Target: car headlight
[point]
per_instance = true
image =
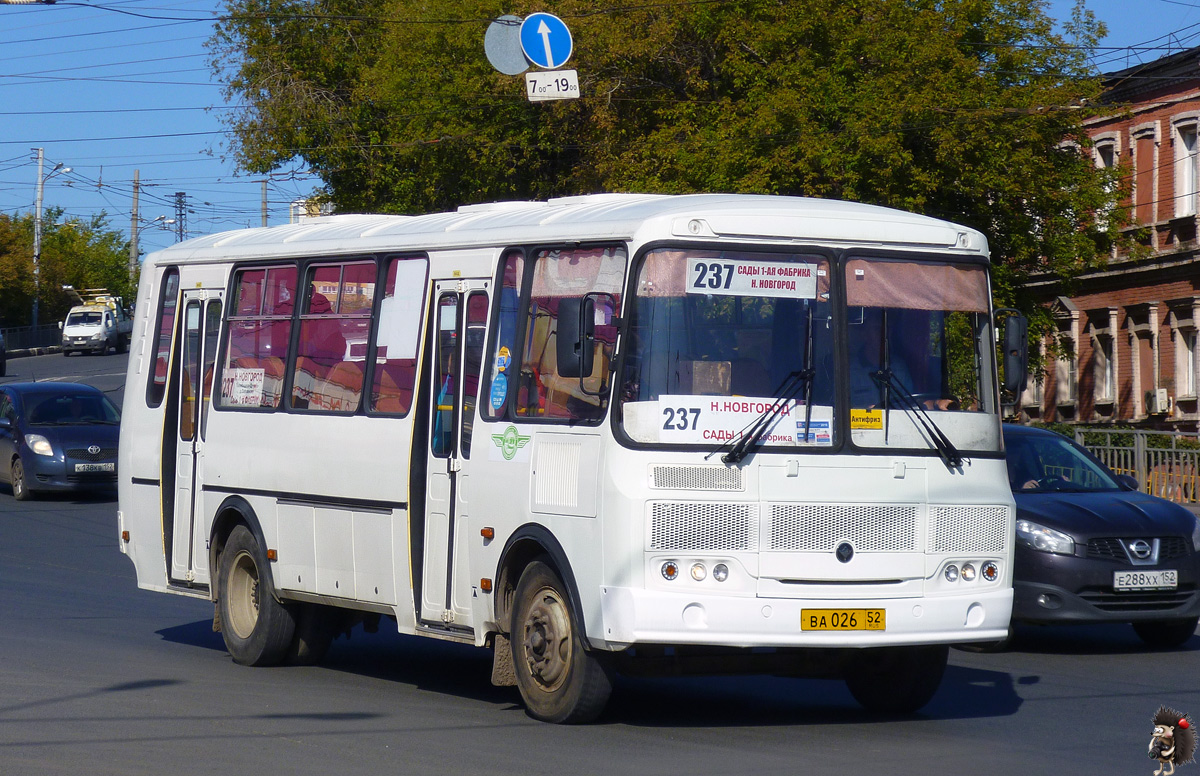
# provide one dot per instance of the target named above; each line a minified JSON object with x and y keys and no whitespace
{"x":39,"y":444}
{"x":1044,"y":539}
{"x":98,"y":335}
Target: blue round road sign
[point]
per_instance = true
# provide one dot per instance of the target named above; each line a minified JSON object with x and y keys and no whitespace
{"x":545,"y":40}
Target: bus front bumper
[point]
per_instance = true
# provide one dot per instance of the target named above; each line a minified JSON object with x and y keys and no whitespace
{"x":636,"y":616}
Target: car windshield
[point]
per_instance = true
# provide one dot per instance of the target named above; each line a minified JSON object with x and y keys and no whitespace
{"x":83,"y":319}
{"x":1041,"y":463}
{"x":68,"y":409}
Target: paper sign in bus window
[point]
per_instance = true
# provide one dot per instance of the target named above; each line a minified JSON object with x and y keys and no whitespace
{"x":731,"y":277}
{"x":686,"y":419}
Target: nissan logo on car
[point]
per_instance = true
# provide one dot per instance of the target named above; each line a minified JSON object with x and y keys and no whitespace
{"x":1140,"y":548}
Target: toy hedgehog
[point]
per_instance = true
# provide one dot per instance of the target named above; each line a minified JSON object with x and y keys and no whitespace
{"x":1174,"y":740}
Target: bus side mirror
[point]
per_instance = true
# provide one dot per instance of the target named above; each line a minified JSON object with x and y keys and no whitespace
{"x":1016,"y":352}
{"x":576,"y":349}
{"x":60,"y":325}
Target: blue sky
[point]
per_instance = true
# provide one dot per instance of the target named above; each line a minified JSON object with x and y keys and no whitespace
{"x":110,"y":88}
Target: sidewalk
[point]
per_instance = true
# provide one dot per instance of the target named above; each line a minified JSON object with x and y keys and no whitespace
{"x":22,"y":352}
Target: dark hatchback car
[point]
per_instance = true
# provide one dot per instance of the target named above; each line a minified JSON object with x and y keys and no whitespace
{"x":57,"y":437}
{"x":1092,"y":548}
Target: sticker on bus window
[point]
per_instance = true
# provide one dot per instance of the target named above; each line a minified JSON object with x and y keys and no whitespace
{"x":499,"y":392}
{"x":503,"y":359}
{"x":244,"y":388}
{"x":732,"y":277}
{"x":689,"y":419}
{"x":868,"y":419}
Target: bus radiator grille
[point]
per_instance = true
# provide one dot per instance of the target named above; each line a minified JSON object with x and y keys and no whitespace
{"x":968,"y":529}
{"x":820,"y":527}
{"x":702,"y":527}
{"x":696,"y":478}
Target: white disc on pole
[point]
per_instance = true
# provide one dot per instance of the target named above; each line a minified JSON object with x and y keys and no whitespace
{"x":502,"y":44}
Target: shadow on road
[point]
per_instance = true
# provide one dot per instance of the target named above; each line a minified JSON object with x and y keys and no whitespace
{"x":720,"y":701}
{"x":1108,"y":639}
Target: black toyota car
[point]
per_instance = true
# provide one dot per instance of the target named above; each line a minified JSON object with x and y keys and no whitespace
{"x":57,"y":437}
{"x":1092,"y":548}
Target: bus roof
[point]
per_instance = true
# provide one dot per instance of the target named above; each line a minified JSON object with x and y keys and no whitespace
{"x":595,"y":217}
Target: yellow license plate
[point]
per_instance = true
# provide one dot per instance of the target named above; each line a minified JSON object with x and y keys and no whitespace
{"x":841,"y":619}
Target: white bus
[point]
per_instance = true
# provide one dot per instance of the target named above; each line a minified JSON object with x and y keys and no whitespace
{"x":610,"y":433}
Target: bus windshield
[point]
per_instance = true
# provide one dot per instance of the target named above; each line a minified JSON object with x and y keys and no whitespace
{"x":720,"y":339}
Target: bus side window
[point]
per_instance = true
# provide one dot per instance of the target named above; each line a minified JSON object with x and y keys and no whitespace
{"x":558,"y":274}
{"x":499,"y":369}
{"x":167,"y":302}
{"x":397,"y":335}
{"x":260,"y":327}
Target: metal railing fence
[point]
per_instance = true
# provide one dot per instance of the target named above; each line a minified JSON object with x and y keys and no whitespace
{"x":1165,"y":464}
{"x":21,"y":337}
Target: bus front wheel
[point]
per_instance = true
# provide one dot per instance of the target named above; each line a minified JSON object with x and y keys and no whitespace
{"x":560,"y":681}
{"x":896,"y":680}
{"x":257,"y":629}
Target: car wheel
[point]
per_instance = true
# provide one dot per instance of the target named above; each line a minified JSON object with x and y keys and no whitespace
{"x":896,"y":680}
{"x":20,"y":489}
{"x":1164,"y":634}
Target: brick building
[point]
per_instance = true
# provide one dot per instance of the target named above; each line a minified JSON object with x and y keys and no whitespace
{"x":1134,"y":324}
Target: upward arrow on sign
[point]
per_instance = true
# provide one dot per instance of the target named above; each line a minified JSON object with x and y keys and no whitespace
{"x":544,"y":31}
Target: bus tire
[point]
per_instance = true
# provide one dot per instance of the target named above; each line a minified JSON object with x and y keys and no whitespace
{"x":316,"y":627}
{"x":257,"y":629}
{"x":896,"y":680}
{"x":560,"y":681}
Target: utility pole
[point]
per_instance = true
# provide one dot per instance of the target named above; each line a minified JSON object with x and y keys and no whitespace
{"x":133,"y":229}
{"x":180,"y":215}
{"x":37,"y":236}
{"x":264,"y":203}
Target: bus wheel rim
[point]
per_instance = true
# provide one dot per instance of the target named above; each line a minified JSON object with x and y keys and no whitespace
{"x":243,"y":595}
{"x":548,"y":640}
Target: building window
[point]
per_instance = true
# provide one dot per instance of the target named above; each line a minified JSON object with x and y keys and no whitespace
{"x":1185,"y":360}
{"x":1186,"y":177}
{"x":1145,"y":142}
{"x":1104,"y":369}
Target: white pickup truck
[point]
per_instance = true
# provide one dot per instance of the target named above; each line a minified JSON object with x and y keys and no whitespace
{"x":98,"y":322}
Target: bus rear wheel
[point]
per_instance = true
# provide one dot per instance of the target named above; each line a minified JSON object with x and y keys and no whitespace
{"x":257,"y":629}
{"x":560,"y":681}
{"x":896,"y":680}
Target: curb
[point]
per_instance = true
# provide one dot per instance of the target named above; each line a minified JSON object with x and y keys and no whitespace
{"x":22,"y":352}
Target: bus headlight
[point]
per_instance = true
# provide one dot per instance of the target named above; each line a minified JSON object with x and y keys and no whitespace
{"x":670,"y":570}
{"x":721,"y":572}
{"x":990,"y":571}
{"x":968,"y":572}
{"x":39,"y":444}
{"x":699,"y":572}
{"x":952,"y":573}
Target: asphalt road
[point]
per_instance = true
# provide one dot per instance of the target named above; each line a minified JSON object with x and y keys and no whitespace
{"x":97,"y":677}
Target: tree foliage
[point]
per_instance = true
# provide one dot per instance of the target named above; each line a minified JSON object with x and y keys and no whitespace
{"x":969,"y":110}
{"x":83,"y":254}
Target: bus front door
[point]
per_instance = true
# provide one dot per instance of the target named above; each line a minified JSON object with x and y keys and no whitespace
{"x":460,"y":322}
{"x":196,"y":351}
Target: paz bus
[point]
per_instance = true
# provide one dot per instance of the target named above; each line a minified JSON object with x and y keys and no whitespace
{"x":598,"y":434}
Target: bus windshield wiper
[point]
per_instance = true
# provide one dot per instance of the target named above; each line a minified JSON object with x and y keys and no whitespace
{"x":946,"y":450}
{"x":752,"y":434}
{"x":749,"y":437}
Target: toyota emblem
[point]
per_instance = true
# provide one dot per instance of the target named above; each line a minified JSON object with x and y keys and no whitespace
{"x":94,"y":450}
{"x":1140,"y":549}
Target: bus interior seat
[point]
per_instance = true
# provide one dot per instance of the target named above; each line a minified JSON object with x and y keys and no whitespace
{"x":394,"y":385}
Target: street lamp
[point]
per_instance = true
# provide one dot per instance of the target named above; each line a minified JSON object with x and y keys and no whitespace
{"x":37,"y":226}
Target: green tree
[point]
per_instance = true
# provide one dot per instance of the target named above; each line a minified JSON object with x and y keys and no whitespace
{"x":83,"y":254}
{"x":969,"y":110}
